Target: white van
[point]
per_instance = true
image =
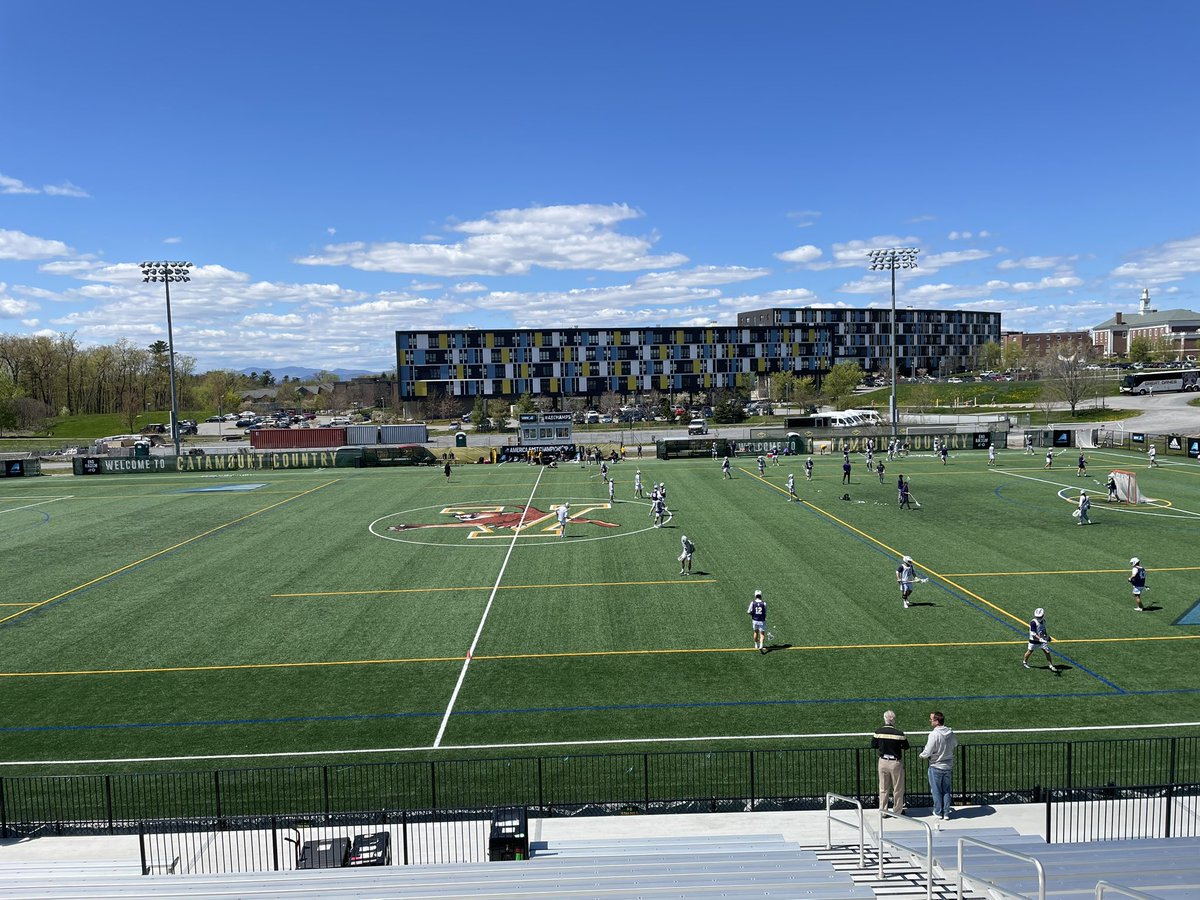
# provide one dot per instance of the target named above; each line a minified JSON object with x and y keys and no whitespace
{"x":865,"y":416}
{"x":698,"y":426}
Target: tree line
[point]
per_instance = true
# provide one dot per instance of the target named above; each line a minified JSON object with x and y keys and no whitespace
{"x":43,"y":376}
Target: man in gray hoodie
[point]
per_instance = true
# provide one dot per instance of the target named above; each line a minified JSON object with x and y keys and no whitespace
{"x":939,"y":750}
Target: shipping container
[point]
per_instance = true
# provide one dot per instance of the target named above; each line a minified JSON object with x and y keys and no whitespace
{"x":297,"y":438}
{"x":364,"y":435}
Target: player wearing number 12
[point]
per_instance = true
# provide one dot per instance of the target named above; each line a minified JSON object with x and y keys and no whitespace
{"x":757,"y":611}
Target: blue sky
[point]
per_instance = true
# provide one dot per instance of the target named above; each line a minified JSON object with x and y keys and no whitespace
{"x":339,"y":171}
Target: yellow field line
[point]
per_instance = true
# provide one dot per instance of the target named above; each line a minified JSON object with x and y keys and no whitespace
{"x":896,"y":552}
{"x":507,"y":587}
{"x":158,"y":553}
{"x":576,"y":654}
{"x":1071,"y":572}
{"x":17,"y":604}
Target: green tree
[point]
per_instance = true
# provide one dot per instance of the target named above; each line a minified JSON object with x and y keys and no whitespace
{"x":8,"y":412}
{"x":498,"y":411}
{"x":525,"y":404}
{"x":783,"y":387}
{"x":840,"y":383}
{"x":805,"y":393}
{"x":479,"y":412}
{"x":727,"y":412}
{"x":1016,"y":357}
{"x":991,"y":355}
{"x":1141,"y":348}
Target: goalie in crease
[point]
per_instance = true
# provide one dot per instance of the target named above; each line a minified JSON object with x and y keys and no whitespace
{"x":1123,"y":487}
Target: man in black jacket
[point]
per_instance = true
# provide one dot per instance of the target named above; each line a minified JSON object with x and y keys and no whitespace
{"x":890,"y":742}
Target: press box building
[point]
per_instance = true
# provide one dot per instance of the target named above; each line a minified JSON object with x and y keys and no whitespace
{"x":587,"y":362}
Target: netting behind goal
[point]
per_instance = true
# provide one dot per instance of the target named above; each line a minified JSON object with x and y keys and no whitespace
{"x":1127,"y":487}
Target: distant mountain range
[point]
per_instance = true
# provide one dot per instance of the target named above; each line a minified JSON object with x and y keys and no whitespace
{"x":301,"y":373}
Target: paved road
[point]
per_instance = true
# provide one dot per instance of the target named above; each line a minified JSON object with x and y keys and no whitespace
{"x":1165,"y":414}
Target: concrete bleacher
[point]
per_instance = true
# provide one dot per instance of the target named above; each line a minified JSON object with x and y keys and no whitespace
{"x":683,"y":867}
{"x":1162,"y":867}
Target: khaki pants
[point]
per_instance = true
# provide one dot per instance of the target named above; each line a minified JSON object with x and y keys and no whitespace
{"x":891,"y":780}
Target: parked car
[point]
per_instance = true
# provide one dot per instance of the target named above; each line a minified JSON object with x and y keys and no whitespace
{"x":215,"y":419}
{"x":698,"y":426}
{"x":243,"y":423}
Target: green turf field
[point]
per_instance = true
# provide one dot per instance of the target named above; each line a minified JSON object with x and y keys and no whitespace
{"x":299,"y":615}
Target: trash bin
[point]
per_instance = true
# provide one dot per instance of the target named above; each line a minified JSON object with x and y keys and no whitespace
{"x":331,"y":853}
{"x":371,"y":849}
{"x":460,"y":439}
{"x":141,"y":448}
{"x":509,"y":837}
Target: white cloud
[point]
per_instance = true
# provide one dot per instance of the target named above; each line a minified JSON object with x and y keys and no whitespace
{"x":1036,"y":262}
{"x":11,"y":307}
{"x":1166,"y":262}
{"x":18,"y":245}
{"x":173,"y":240}
{"x":469,"y":287}
{"x":1049,"y":283}
{"x":936,"y":261}
{"x":785,"y":297}
{"x":10,"y":185}
{"x":854,"y":253}
{"x":66,"y":189}
{"x":959,"y":235}
{"x":806,"y":253}
{"x":804,"y":218}
{"x":701,"y":276}
{"x":331,"y":231}
{"x":513,"y":242}
{"x":15,"y":186}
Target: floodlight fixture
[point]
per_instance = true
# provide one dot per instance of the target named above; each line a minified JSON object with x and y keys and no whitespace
{"x":891,"y":259}
{"x":166,"y":271}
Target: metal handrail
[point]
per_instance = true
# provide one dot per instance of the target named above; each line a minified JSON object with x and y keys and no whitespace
{"x":1102,"y":886}
{"x":1041,"y":871}
{"x":888,"y":814}
{"x":830,"y":797}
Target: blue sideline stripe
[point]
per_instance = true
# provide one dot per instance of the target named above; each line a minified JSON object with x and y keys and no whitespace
{"x":212,"y":489}
{"x":956,"y":595}
{"x":716,"y":704}
{"x":1191,"y":617}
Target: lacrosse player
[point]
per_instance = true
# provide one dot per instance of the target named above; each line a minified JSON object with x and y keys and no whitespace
{"x":757,"y":611}
{"x":791,"y":488}
{"x":905,"y":576}
{"x":1137,"y":578}
{"x":1038,"y":638}
{"x":685,"y":557}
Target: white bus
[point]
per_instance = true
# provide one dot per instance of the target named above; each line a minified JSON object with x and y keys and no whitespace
{"x":1161,"y":381}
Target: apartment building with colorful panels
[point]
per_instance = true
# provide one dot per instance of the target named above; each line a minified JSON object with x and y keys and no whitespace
{"x":587,"y":362}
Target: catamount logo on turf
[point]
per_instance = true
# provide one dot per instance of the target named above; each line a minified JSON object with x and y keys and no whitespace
{"x":502,"y":520}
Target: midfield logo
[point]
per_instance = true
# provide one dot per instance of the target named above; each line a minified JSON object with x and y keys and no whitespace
{"x":485,"y":522}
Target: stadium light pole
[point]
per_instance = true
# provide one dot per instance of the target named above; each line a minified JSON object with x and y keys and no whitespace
{"x":167,"y":272}
{"x":893,"y":258}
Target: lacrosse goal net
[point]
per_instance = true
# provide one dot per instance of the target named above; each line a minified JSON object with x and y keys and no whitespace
{"x":1127,"y":487}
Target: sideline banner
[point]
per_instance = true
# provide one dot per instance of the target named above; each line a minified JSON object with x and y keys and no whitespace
{"x":217,"y":462}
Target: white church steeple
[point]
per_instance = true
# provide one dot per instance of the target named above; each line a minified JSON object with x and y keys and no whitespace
{"x":1144,"y":305}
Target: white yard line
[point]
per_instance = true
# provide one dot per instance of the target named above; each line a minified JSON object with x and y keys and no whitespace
{"x":32,"y":505}
{"x":1158,"y":511}
{"x":483,"y":620}
{"x":997,"y":732}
